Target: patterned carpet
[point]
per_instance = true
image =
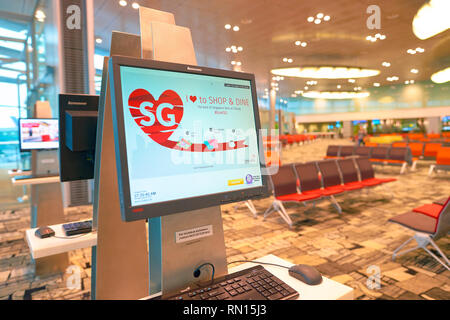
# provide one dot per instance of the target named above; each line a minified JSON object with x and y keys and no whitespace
{"x":343,"y":247}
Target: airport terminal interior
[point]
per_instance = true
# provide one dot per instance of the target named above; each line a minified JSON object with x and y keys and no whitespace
{"x":286,"y":150}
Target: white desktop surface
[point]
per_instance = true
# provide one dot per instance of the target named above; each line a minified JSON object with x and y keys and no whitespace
{"x":327,"y":290}
{"x":29,"y":180}
{"x":18,"y":173}
{"x":50,"y":246}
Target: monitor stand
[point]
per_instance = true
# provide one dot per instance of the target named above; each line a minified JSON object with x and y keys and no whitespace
{"x":171,"y":258}
{"x":46,"y":199}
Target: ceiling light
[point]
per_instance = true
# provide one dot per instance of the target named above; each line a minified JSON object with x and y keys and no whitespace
{"x":382,"y":37}
{"x":421,"y":50}
{"x":233,"y":62}
{"x":325,"y":72}
{"x":326,"y":18}
{"x":406,"y":82}
{"x":135,"y":5}
{"x":386,"y":64}
{"x":414,"y":71}
{"x":297,"y":43}
{"x":239,"y":63}
{"x":376,"y":84}
{"x":235,"y":28}
{"x":335,"y":95}
{"x":368,"y":38}
{"x":411,"y":81}
{"x":339,"y":86}
{"x":98,"y":40}
{"x":285,"y":59}
{"x":40,"y":15}
{"x":310,"y":19}
{"x":431,"y":19}
{"x":228,"y":49}
{"x":228,"y":26}
{"x":320,"y":15}
{"x":441,"y":76}
{"x":351,"y":80}
{"x":411,"y":51}
{"x":123,"y":3}
{"x":290,"y":60}
{"x":306,"y":88}
{"x":304,"y":44}
{"x":240,"y":48}
{"x":317,"y":21}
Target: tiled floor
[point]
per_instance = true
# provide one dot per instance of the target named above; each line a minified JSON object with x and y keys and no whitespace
{"x":346,"y":248}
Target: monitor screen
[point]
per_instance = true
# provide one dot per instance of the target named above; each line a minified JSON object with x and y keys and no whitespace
{"x":187,"y":139}
{"x":36,"y":134}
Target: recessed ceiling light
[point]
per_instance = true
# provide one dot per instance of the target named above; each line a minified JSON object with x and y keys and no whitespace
{"x":382,"y":37}
{"x":351,"y":80}
{"x":233,"y":62}
{"x":306,"y":88}
{"x":406,"y":82}
{"x":304,"y":44}
{"x":235,"y":28}
{"x":135,"y":5}
{"x":98,"y":40}
{"x":240,"y":48}
{"x":320,"y":15}
{"x":228,"y":26}
{"x":326,"y":18}
{"x":339,"y":86}
{"x":335,"y":95}
{"x":325,"y":72}
{"x":411,"y":81}
{"x":317,"y":21}
{"x":414,"y":71}
{"x":310,"y":19}
{"x":431,"y":19}
{"x":411,"y":51}
{"x":290,"y":60}
{"x":386,"y":64}
{"x":285,"y":59}
{"x":228,"y":49}
{"x":297,"y":43}
{"x":420,"y":50}
{"x":40,"y":15}
{"x":239,"y":63}
{"x":123,"y":3}
{"x":376,"y":84}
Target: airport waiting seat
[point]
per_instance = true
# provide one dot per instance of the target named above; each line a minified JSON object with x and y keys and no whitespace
{"x":399,"y":145}
{"x":402,"y":157}
{"x":431,"y":150}
{"x":284,"y":186}
{"x":371,"y":144}
{"x":349,"y":175}
{"x":442,"y":160}
{"x":333,"y":152}
{"x":434,"y":136}
{"x":416,"y":149}
{"x":367,"y":173}
{"x":347,"y":151}
{"x":379,"y":154}
{"x":428,"y":228}
{"x":364,"y":152}
{"x":331,"y":180}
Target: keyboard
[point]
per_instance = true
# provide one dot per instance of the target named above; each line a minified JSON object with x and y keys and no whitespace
{"x":74,"y":228}
{"x":255,"y":283}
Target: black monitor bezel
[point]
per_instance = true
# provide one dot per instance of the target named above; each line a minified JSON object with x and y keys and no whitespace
{"x":147,"y":211}
{"x":31,"y":149}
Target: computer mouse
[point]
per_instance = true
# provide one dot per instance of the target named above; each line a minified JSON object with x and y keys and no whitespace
{"x":44,"y":232}
{"x":306,"y":274}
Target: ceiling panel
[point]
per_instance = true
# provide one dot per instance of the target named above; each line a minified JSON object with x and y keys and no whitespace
{"x":268,"y":30}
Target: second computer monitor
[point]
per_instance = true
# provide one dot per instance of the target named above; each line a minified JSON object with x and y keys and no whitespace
{"x":78,"y":114}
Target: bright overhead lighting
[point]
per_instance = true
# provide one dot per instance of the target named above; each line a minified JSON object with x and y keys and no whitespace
{"x":135,"y":5}
{"x":290,"y":60}
{"x":335,"y":95}
{"x":320,"y":15}
{"x":351,"y":80}
{"x":239,"y":63}
{"x":326,"y":18}
{"x":414,"y":71}
{"x":98,"y":40}
{"x":407,"y":82}
{"x":317,"y":21}
{"x":431,"y":19}
{"x":123,"y":3}
{"x":233,"y":62}
{"x":285,"y":59}
{"x":240,"y":48}
{"x":325,"y":72}
{"x":386,"y":64}
{"x":310,"y":19}
{"x":376,"y":84}
{"x":421,"y":50}
{"x":297,"y":43}
{"x":393,"y":78}
{"x":441,"y":76}
{"x":228,"y":26}
{"x":382,"y":37}
{"x":228,"y":49}
{"x":40,"y":15}
{"x":304,"y":44}
{"x":411,"y":51}
{"x":338,"y":86}
{"x":235,"y":28}
{"x":306,"y":88}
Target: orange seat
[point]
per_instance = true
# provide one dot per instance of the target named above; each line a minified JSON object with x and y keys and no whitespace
{"x":431,"y":149}
{"x":399,"y":144}
{"x":443,"y":156}
{"x":371,"y":144}
{"x":434,"y":136}
{"x":416,"y":148}
{"x":432,"y":210}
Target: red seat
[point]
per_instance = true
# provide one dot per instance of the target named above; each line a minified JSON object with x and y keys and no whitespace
{"x":329,"y":191}
{"x":353,"y":186}
{"x":298,"y":197}
{"x":432,"y":210}
{"x":372,"y":182}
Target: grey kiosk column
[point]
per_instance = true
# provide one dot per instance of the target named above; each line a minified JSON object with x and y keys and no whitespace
{"x":123,"y":267}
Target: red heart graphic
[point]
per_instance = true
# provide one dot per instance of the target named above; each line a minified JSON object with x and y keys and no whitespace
{"x":193,"y":98}
{"x":157,"y":132}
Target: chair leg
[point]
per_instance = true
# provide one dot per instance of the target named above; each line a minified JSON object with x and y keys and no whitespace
{"x":432,"y":167}
{"x":404,"y":167}
{"x":414,"y":165}
{"x":282,"y":211}
{"x":397,"y":253}
{"x":336,"y":204}
{"x":269,"y":210}
{"x":447,"y":262}
{"x":251,"y":207}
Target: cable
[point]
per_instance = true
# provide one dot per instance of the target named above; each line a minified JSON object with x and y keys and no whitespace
{"x":257,"y":262}
{"x":197,"y":271}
